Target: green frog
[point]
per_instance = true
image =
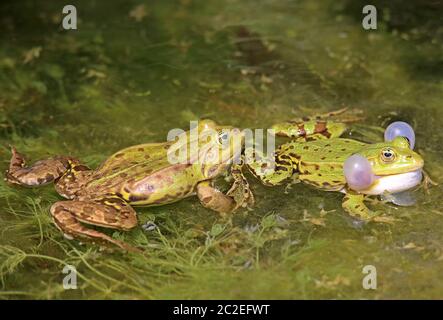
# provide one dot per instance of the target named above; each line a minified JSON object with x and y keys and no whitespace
{"x":317,"y":156}
{"x":141,"y":175}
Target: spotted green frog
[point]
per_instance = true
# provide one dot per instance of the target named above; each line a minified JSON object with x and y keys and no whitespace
{"x":141,"y":175}
{"x":316,"y":156}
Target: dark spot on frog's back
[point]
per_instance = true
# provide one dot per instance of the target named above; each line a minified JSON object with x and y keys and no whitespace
{"x":141,"y":149}
{"x":207,"y":199}
{"x":320,"y":126}
{"x":134,"y":198}
{"x":88,"y":210}
{"x":295,"y":156}
{"x":284,"y":156}
{"x":110,"y":217}
{"x":107,"y":183}
{"x":119,"y":155}
{"x":80,"y":167}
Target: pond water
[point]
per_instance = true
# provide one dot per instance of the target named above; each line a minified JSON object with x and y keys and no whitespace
{"x":133,"y":70}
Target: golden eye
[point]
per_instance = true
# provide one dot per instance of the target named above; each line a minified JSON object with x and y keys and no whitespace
{"x":223,"y":138}
{"x":387,"y":155}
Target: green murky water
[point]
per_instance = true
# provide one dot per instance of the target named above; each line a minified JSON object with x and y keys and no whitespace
{"x":131,"y":72}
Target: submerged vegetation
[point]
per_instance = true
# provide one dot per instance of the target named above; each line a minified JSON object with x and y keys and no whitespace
{"x":135,"y":69}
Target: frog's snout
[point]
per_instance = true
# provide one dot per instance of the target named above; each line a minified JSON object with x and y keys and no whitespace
{"x":420,"y":162}
{"x":416,"y":162}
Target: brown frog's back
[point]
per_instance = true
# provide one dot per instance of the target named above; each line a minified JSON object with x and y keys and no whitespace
{"x":108,"y":177}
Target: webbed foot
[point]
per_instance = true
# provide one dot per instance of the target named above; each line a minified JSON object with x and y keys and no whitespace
{"x":109,"y":212}
{"x":40,"y":173}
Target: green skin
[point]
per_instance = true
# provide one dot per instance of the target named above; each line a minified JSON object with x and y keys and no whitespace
{"x":317,"y":155}
{"x":141,"y":175}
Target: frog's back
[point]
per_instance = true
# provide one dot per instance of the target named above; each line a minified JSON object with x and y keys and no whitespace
{"x":320,"y":162}
{"x":129,"y":164}
{"x":325,"y":151}
{"x":142,"y":175}
{"x":138,"y":154}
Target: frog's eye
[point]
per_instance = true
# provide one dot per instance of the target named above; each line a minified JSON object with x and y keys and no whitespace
{"x":400,"y":129}
{"x":223,"y":138}
{"x":387,"y":155}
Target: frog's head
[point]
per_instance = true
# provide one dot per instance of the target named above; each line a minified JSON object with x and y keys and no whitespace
{"x":392,"y":157}
{"x":393,"y":167}
{"x":218,"y":146}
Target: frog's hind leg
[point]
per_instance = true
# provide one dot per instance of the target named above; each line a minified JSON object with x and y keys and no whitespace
{"x":353,"y":204}
{"x":40,"y":173}
{"x":310,"y":130}
{"x":109,"y":212}
{"x":321,"y":126}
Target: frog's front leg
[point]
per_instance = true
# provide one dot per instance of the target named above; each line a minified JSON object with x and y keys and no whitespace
{"x":239,"y":195}
{"x":240,"y":190}
{"x":353,"y":204}
{"x":214,"y":199}
{"x":274,"y":171}
{"x":40,"y":173}
{"x":110,"y":212}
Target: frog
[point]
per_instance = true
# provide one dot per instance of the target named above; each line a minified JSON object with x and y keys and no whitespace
{"x":141,"y":175}
{"x":317,"y":155}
